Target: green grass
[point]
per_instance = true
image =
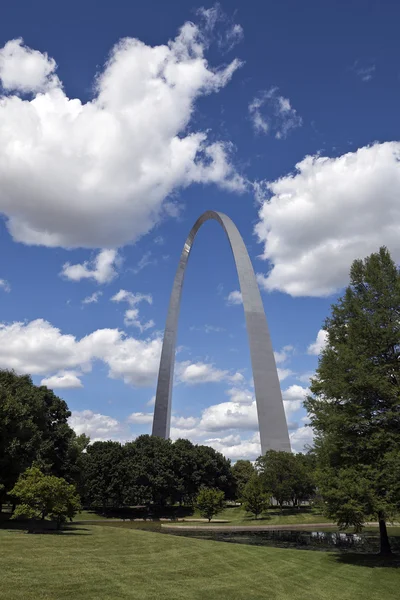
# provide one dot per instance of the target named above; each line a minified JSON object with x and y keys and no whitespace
{"x":236,"y":515}
{"x":94,"y":562}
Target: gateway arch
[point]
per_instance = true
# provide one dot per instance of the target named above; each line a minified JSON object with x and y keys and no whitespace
{"x":271,"y":415}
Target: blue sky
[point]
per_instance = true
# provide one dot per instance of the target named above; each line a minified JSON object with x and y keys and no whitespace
{"x":120,"y":123}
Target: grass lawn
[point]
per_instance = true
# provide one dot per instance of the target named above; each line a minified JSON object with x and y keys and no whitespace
{"x":236,"y":515}
{"x":93,"y":562}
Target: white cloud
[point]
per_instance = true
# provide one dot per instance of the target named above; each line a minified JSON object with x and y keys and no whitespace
{"x":140,"y":418}
{"x":229,"y":34}
{"x":41,"y":349}
{"x":63,"y":380}
{"x":144,"y":262}
{"x":5,"y":285}
{"x":152,"y":401}
{"x":93,"y":298}
{"x":364,"y":72}
{"x":184,"y":422}
{"x":326,"y":214}
{"x":284,"y":373}
{"x":132,"y":314}
{"x":26,"y":70}
{"x":97,"y":174}
{"x":102,"y":269}
{"x":316,"y":347}
{"x":195,"y":373}
{"x":284,"y":354}
{"x":300,"y":438}
{"x":234,"y":298}
{"x":281,"y":116}
{"x":235,"y":447}
{"x":239,"y":395}
{"x":99,"y":427}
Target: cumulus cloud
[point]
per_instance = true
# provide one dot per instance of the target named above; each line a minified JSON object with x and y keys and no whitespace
{"x":140,"y":418}
{"x":25,"y":70}
{"x":328,"y":213}
{"x":279,"y":116}
{"x":200,"y":372}
{"x":63,"y":380}
{"x":4,"y":285}
{"x":132,"y":314}
{"x":98,"y":174}
{"x":195,"y":373}
{"x":316,"y":347}
{"x":234,"y":298}
{"x":94,"y":298}
{"x":97,"y":426}
{"x":41,"y":349}
{"x":102,"y":269}
{"x":226,"y":426}
{"x":240,"y":395}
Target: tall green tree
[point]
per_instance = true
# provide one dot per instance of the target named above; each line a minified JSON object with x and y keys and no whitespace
{"x":255,"y":499}
{"x":185,"y":466}
{"x":243,"y":471}
{"x":104,"y":475}
{"x":150,"y":468}
{"x":33,"y":429}
{"x":355,"y":407}
{"x":276,"y":472}
{"x":214,"y":471}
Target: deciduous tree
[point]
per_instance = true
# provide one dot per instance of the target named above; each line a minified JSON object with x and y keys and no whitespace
{"x":40,"y":496}
{"x":255,"y":499}
{"x":210,"y":502}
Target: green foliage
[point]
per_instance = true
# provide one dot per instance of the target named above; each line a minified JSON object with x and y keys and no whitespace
{"x":149,"y":462}
{"x":210,"y":502}
{"x":255,"y":499}
{"x":104,"y":475}
{"x":151,"y":470}
{"x":355,"y":407}
{"x":287,"y":477}
{"x":243,"y":471}
{"x":40,"y":496}
{"x":33,"y":429}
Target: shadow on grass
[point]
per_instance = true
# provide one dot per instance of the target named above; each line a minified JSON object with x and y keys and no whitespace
{"x":368,"y":560}
{"x":41,"y":527}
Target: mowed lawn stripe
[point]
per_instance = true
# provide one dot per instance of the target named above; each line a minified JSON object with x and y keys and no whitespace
{"x":96,"y":563}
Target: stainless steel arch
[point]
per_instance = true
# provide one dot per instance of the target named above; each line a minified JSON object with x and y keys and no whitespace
{"x":271,"y":415}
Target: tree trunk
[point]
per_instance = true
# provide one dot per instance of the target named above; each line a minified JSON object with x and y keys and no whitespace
{"x":384,"y":538}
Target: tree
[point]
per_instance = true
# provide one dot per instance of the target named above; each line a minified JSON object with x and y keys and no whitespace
{"x":150,"y":470}
{"x":42,"y":495}
{"x":213,"y":471}
{"x":243,"y":471}
{"x":276,"y":472}
{"x":255,"y":499}
{"x":185,"y":471}
{"x":355,"y":406}
{"x":210,"y":502}
{"x":104,"y":475}
{"x":33,"y":428}
{"x":302,"y":478}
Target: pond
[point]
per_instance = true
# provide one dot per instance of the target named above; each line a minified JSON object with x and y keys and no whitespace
{"x":311,"y":540}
